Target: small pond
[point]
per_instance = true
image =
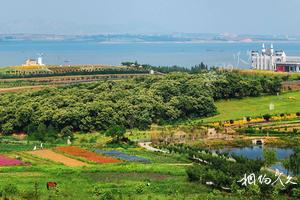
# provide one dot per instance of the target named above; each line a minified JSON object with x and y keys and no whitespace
{"x":256,"y":152}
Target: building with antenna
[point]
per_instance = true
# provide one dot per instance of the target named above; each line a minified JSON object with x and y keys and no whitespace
{"x":34,"y":62}
{"x":271,"y":60}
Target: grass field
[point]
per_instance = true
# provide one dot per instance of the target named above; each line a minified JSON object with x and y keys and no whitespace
{"x":131,"y":181}
{"x":256,"y":106}
{"x":163,"y":178}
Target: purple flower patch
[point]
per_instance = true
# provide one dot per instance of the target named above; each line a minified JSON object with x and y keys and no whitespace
{"x":123,"y":156}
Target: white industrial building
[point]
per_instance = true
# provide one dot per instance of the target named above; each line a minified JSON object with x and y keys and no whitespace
{"x":268,"y":59}
{"x":34,"y":62}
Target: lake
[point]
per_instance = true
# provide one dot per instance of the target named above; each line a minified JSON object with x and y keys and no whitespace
{"x":256,"y":152}
{"x":182,"y":54}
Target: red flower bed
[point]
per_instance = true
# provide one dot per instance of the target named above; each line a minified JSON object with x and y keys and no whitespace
{"x":5,"y":161}
{"x":91,"y":156}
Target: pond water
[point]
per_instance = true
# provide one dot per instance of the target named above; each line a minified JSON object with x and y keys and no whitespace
{"x":256,"y":152}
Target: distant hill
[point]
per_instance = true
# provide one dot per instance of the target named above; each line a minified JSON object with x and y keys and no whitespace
{"x":176,"y":37}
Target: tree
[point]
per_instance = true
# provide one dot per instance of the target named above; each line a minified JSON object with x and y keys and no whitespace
{"x":269,"y":157}
{"x":67,"y":131}
{"x":117,"y":132}
{"x":8,"y":128}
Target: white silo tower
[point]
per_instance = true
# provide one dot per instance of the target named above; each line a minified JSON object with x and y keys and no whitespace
{"x":40,"y":59}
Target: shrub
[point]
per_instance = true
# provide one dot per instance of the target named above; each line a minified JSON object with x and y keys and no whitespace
{"x":93,"y":140}
{"x":269,"y":157}
{"x":32,"y":195}
{"x":194,"y":173}
{"x":108,"y":195}
{"x":267,"y":117}
{"x":295,"y":130}
{"x":83,"y":141}
{"x":253,"y":191}
{"x":116,"y":132}
{"x":10,"y":190}
{"x":250,"y":130}
{"x":96,"y":191}
{"x":219,"y":178}
{"x":296,"y":193}
{"x":140,"y":189}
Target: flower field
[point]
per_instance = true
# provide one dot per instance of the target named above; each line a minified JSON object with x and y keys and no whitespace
{"x":91,"y":156}
{"x":5,"y":161}
{"x":122,"y":156}
{"x":51,"y":155}
{"x":242,"y":122}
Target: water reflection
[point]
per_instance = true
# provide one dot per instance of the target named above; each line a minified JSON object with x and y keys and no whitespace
{"x":256,"y":152}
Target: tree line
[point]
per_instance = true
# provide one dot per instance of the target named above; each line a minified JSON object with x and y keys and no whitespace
{"x":169,"y":69}
{"x":71,"y":71}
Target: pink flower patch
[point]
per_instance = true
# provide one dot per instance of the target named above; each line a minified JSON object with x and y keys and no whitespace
{"x":5,"y":161}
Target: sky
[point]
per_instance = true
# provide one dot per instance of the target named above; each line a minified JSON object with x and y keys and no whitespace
{"x":276,"y":17}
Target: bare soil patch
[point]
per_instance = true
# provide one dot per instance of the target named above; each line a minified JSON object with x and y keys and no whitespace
{"x":51,"y":155}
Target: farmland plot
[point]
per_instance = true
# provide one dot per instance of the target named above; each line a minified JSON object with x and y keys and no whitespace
{"x":48,"y":154}
{"x":6,"y":161}
{"x":91,"y":156}
{"x":123,"y":156}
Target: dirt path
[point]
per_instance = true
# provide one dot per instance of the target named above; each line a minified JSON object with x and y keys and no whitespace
{"x":48,"y":154}
{"x":29,"y":158}
{"x":180,"y":164}
{"x":147,"y":146}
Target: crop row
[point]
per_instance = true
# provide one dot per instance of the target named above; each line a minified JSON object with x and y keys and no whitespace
{"x":91,"y":156}
{"x":6,"y":161}
{"x":123,"y":156}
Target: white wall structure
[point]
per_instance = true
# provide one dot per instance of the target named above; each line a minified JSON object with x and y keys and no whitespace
{"x":40,"y":61}
{"x":268,"y":59}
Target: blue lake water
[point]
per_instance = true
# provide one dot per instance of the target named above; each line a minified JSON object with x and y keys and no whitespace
{"x":256,"y":152}
{"x":182,"y":54}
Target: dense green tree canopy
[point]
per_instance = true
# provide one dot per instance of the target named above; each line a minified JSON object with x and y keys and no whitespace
{"x":134,"y":103}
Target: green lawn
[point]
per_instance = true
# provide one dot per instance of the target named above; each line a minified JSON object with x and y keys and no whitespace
{"x":124,"y":182}
{"x":156,"y":180}
{"x":256,"y":106}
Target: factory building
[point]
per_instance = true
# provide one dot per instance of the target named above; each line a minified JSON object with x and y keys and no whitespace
{"x":34,"y":62}
{"x":271,"y":60}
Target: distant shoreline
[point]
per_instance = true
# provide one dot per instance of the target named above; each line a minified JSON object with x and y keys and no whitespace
{"x":201,"y":42}
{"x":140,"y":38}
{"x":155,"y":42}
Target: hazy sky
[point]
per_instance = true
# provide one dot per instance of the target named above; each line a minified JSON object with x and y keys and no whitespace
{"x":150,"y":16}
